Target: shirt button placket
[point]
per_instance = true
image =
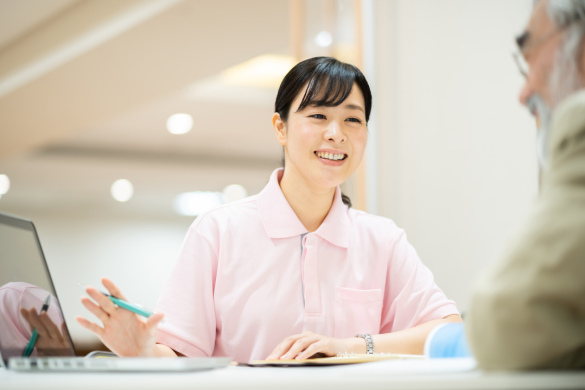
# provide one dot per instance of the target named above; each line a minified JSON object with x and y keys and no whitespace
{"x":310,"y":268}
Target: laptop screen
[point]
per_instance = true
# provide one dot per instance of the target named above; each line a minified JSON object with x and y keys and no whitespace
{"x":26,"y":291}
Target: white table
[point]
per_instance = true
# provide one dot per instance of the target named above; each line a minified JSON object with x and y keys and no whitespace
{"x":430,"y":374}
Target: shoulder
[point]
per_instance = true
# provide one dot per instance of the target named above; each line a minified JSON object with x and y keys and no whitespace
{"x":375,"y":226}
{"x":238,"y":212}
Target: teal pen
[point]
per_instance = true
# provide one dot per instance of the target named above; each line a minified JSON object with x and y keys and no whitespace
{"x":128,"y":306}
{"x":125,"y":305}
{"x":33,"y":338}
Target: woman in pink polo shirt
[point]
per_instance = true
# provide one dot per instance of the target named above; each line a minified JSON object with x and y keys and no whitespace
{"x":294,"y":270}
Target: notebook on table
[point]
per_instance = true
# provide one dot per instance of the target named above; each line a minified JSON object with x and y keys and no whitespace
{"x":340,"y":359}
{"x":25,"y":283}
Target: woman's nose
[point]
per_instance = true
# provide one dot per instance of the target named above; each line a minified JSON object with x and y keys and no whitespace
{"x":334,"y":132}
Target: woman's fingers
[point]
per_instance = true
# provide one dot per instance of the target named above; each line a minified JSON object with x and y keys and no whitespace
{"x":123,"y":331}
{"x":35,"y":322}
{"x":291,"y":346}
{"x":305,"y":346}
{"x":26,"y":317}
{"x":113,"y":289}
{"x":283,"y":347}
{"x":104,"y":302}
{"x":94,"y":328}
{"x":299,"y":346}
{"x":51,"y":329}
{"x":311,"y":350}
{"x":95,"y":309}
{"x":42,"y":323}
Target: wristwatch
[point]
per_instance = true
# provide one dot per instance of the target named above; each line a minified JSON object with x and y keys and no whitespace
{"x":369,"y":343}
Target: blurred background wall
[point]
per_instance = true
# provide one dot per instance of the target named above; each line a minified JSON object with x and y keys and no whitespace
{"x":456,"y":165}
{"x":88,"y":89}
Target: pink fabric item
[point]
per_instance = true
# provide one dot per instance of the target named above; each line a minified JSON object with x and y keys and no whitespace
{"x":15,"y":332}
{"x":250,"y":275}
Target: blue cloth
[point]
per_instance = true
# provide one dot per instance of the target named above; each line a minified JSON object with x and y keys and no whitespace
{"x":448,"y":341}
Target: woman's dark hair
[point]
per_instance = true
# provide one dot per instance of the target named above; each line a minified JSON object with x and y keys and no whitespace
{"x":329,"y":83}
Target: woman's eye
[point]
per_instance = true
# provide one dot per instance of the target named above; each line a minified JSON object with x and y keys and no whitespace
{"x":318,"y":116}
{"x":356,"y":120}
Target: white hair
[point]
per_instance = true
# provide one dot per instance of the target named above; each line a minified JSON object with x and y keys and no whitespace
{"x":564,"y":12}
{"x":567,"y":77}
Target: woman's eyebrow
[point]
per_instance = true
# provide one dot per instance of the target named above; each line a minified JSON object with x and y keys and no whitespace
{"x":355,"y":107}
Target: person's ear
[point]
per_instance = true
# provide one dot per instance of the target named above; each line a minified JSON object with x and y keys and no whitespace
{"x":279,"y":128}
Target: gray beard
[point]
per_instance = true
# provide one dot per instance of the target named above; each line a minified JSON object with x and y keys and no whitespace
{"x":536,"y":104}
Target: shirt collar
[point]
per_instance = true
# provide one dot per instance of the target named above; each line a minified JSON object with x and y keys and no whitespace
{"x":280,"y":221}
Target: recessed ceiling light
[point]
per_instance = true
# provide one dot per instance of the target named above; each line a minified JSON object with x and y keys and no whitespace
{"x":234,"y":192}
{"x":179,"y":123}
{"x":4,"y":184}
{"x":324,"y":39}
{"x":122,"y":190}
{"x":196,"y":203}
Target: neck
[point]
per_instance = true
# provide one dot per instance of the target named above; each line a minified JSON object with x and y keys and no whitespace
{"x":310,"y":204}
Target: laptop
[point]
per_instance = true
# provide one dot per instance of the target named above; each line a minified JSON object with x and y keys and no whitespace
{"x":26,"y":288}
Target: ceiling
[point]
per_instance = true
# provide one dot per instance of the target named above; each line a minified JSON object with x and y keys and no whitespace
{"x":86,"y":88}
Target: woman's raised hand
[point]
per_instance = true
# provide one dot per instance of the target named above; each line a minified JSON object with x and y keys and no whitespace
{"x":308,"y":344}
{"x":123,"y":332}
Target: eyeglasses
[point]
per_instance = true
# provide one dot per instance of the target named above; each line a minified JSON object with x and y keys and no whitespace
{"x":524,"y":46}
{"x":521,"y":63}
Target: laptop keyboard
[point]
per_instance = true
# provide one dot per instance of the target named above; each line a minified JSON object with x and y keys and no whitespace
{"x":65,"y":364}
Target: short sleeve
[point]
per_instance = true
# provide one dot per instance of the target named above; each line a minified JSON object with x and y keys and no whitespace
{"x":189,"y":325}
{"x":412,"y":297}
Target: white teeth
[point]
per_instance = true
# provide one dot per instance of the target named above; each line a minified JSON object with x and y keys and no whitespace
{"x":331,"y":156}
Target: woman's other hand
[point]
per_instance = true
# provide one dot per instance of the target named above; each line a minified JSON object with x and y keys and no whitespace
{"x":51,"y":340}
{"x":309,"y":344}
{"x":123,"y":332}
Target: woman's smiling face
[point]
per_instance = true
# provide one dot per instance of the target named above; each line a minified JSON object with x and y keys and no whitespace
{"x":322,"y":144}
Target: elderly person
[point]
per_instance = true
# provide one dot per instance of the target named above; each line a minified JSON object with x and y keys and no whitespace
{"x":529,"y":310}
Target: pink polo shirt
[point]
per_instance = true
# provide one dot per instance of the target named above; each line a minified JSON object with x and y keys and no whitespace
{"x":249,"y":274}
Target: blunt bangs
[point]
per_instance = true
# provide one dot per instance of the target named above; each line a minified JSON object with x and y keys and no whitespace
{"x":329,"y":86}
{"x":329,"y":82}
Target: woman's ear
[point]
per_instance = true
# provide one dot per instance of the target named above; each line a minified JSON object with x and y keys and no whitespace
{"x":279,"y":128}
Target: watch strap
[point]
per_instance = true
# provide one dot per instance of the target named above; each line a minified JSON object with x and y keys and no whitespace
{"x":369,"y":342}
